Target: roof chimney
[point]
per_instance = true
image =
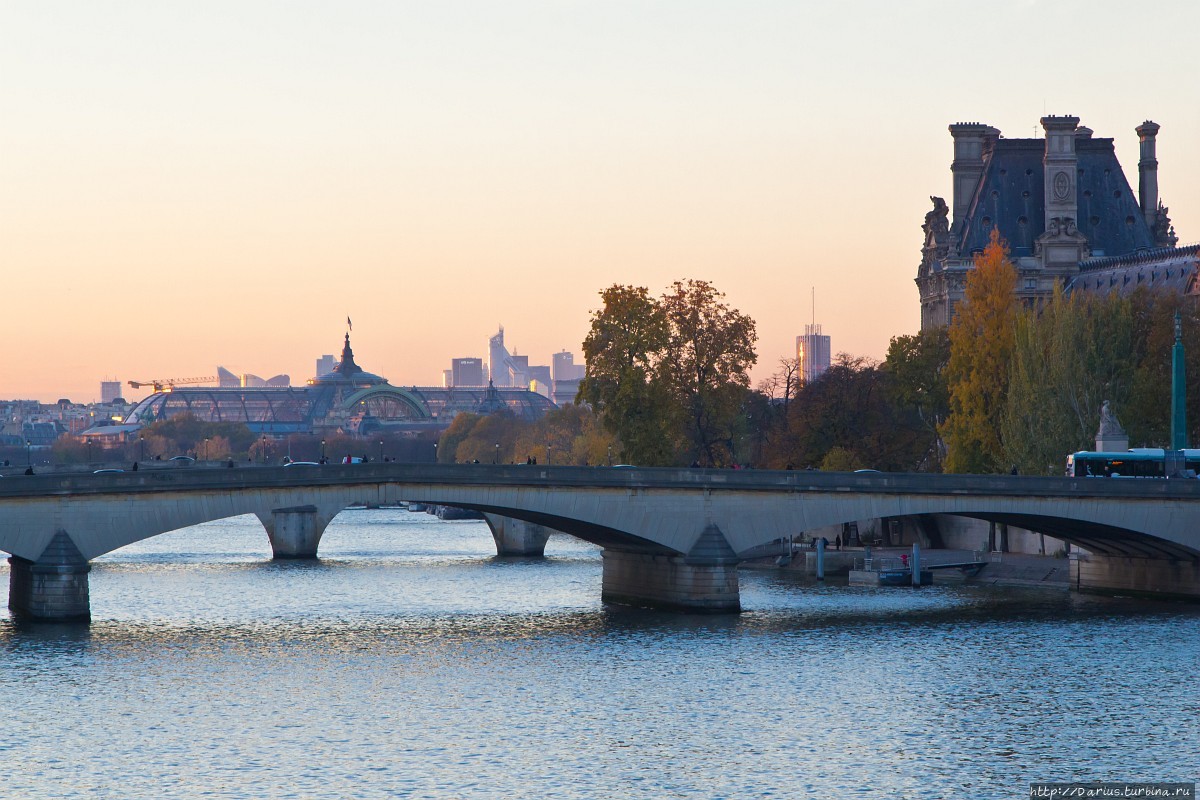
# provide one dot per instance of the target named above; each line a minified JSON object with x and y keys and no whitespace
{"x":1148,"y":172}
{"x":969,"y":138}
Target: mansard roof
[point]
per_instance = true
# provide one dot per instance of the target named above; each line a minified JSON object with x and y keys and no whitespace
{"x":1011,"y":196}
{"x":1170,"y":268}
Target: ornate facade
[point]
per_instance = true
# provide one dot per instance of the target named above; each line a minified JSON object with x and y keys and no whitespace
{"x":1063,"y":205}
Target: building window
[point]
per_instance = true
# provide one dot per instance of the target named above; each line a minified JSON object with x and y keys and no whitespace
{"x":1031,"y":283}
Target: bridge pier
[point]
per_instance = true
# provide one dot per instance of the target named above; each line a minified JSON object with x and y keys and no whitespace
{"x":1146,"y":577}
{"x":294,"y":532}
{"x":55,"y":587}
{"x":704,"y":581}
{"x":515,"y":537}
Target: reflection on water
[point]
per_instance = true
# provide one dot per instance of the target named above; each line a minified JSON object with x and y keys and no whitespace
{"x":409,"y":662}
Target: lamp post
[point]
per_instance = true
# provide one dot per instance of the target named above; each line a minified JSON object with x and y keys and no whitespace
{"x":496,"y":458}
{"x":435,"y":458}
{"x":610,"y":455}
{"x":142,"y":446}
{"x":206,"y":448}
{"x":89,"y":444}
{"x":381,"y":450}
{"x":264,"y":448}
{"x":28,"y":453}
{"x":322,"y":451}
{"x":547,"y":454}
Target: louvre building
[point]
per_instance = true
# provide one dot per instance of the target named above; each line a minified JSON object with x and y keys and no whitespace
{"x":1066,"y":210}
{"x":346,"y":400}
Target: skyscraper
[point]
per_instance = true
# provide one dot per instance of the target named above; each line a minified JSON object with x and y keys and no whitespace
{"x":109,"y":391}
{"x":812,"y":353}
{"x":467,"y":372}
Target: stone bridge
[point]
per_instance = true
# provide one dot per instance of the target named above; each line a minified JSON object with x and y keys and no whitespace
{"x":671,"y":538}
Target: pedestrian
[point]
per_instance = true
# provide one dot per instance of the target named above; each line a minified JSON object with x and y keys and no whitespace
{"x":904,"y":560}
{"x":1013,"y":471}
{"x":837,"y":542}
{"x":135,"y":467}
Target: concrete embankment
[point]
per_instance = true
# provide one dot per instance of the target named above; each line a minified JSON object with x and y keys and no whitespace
{"x":1000,"y":569}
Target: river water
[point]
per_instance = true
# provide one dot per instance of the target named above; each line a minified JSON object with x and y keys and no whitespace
{"x":409,"y":662}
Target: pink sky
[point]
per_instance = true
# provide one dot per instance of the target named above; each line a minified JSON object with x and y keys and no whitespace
{"x":184,"y":186}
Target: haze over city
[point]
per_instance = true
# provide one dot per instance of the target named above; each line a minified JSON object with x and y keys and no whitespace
{"x":185,"y":186}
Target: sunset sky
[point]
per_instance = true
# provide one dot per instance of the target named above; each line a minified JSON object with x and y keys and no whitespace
{"x":185,"y":185}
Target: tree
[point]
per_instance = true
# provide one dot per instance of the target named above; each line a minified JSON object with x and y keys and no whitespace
{"x":568,"y":435}
{"x":981,"y":346}
{"x":627,"y":340}
{"x":1068,"y":358}
{"x":670,"y":377}
{"x":710,"y":349}
{"x":917,"y":365}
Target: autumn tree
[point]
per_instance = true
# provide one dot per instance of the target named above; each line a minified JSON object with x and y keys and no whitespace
{"x":847,"y":418}
{"x":981,"y":347}
{"x":710,"y":349}
{"x":669,"y":377}
{"x":622,"y":382}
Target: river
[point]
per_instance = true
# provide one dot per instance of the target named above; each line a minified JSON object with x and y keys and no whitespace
{"x":409,"y":662}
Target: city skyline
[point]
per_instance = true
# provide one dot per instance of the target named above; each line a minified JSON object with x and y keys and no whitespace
{"x":195,"y":189}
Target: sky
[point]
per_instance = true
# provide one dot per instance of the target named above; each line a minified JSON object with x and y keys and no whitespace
{"x":185,"y":185}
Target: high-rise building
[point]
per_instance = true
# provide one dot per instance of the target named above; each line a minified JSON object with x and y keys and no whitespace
{"x":325,"y":365}
{"x":812,"y":353}
{"x":563,"y":367}
{"x":467,"y":372}
{"x":109,"y":391}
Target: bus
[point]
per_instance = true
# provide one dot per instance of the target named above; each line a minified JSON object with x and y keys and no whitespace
{"x":1140,"y":462}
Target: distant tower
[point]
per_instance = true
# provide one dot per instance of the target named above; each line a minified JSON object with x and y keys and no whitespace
{"x":109,"y":391}
{"x":325,"y":365}
{"x":498,"y":358}
{"x":812,"y":353}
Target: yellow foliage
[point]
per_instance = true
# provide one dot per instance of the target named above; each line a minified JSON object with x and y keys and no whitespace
{"x":981,"y":346}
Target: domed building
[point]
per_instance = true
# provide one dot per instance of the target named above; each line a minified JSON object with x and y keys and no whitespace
{"x":346,"y":400}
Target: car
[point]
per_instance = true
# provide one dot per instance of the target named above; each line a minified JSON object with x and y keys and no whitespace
{"x":183,"y":459}
{"x":624,"y":466}
{"x":106,"y":471}
{"x":302,"y":464}
{"x":867,"y":472}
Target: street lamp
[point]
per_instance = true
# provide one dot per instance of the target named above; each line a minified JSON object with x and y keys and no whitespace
{"x":322,"y":451}
{"x":142,"y":445}
{"x":547,"y":455}
{"x":610,"y":455}
{"x":435,"y":460}
{"x":29,"y":452}
{"x":206,"y":448}
{"x":381,"y":450}
{"x":264,"y":448}
{"x":496,"y":458}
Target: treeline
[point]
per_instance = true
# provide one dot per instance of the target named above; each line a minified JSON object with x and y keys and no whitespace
{"x":1026,"y":385}
{"x":187,"y":435}
{"x":1004,"y":386}
{"x":568,"y":435}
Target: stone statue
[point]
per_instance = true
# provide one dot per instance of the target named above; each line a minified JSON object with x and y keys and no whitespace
{"x":1164,"y":232}
{"x":937,"y":234}
{"x":1109,"y":426}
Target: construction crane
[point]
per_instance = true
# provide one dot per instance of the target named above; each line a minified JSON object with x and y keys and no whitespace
{"x":170,"y":383}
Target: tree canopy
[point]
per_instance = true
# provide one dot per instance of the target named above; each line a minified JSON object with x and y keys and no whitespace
{"x":669,"y":376}
{"x":981,"y":346}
